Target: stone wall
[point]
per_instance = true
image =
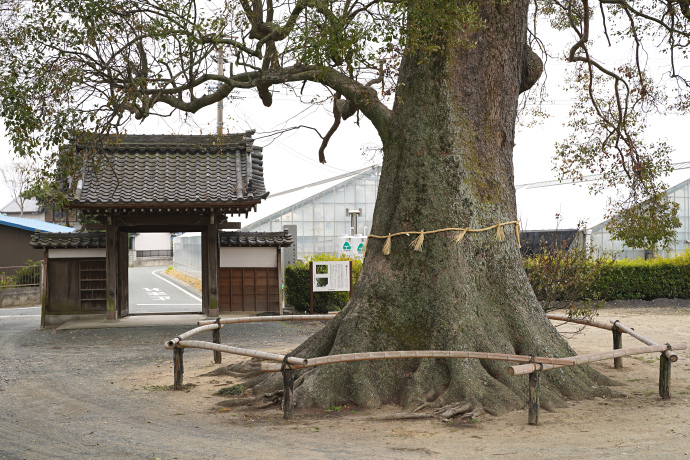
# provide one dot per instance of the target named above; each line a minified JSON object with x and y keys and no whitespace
{"x":20,"y":297}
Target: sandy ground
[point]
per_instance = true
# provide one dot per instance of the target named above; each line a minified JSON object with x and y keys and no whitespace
{"x":85,"y":395}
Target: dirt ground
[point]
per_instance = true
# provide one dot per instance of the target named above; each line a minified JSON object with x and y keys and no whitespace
{"x":104,"y":394}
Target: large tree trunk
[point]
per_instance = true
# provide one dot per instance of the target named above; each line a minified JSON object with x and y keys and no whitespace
{"x":447,"y":163}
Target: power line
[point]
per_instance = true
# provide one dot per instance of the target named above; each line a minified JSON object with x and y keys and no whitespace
{"x":593,"y":177}
{"x":325,"y":181}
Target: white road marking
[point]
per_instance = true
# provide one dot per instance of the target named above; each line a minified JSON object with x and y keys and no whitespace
{"x":19,"y":316}
{"x":167,"y":304}
{"x":178,"y":287}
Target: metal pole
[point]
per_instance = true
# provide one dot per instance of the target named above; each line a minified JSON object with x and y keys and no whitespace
{"x":219,"y":115}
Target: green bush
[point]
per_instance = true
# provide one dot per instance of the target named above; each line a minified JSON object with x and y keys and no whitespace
{"x":560,"y":278}
{"x":566,"y":278}
{"x":646,"y":279}
{"x":297,"y":286}
{"x":27,"y":275}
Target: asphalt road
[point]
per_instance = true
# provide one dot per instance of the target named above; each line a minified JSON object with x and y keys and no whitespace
{"x":150,"y":291}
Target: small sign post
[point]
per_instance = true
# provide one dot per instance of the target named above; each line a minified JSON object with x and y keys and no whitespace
{"x":334,"y":276}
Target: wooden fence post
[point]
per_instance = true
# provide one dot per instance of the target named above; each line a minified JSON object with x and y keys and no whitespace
{"x":178,"y":368}
{"x":288,"y":388}
{"x":217,"y":355}
{"x":534,"y":388}
{"x":664,"y":377}
{"x":617,"y":345}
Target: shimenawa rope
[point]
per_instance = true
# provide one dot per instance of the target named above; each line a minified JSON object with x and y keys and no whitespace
{"x":417,"y":243}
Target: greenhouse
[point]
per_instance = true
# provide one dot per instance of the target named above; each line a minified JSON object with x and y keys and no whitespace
{"x":602,"y":242}
{"x":324,"y":222}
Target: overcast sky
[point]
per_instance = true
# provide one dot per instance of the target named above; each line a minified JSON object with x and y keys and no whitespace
{"x":292,"y":160}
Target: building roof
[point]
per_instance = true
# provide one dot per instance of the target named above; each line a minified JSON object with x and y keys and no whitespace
{"x":33,"y":225}
{"x":12,"y":207}
{"x":174,"y":171}
{"x":255,"y":239}
{"x":68,"y":240}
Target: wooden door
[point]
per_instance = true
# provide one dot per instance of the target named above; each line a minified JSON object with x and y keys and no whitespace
{"x":249,"y":289}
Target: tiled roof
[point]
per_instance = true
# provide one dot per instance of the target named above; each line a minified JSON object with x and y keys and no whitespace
{"x":255,"y":239}
{"x":30,"y":205}
{"x":156,"y":170}
{"x":33,"y":225}
{"x":71,"y":240}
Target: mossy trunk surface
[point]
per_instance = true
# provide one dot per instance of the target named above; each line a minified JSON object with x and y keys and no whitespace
{"x":447,"y":163}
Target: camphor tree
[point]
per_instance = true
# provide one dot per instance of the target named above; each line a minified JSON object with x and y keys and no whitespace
{"x":453,"y":71}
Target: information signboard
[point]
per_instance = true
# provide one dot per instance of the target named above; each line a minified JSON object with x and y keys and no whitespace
{"x":332,"y":276}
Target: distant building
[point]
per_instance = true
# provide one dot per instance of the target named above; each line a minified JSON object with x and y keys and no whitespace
{"x":540,"y":241}
{"x":15,"y":233}
{"x":322,"y":220}
{"x":33,"y":211}
{"x":601,"y":239}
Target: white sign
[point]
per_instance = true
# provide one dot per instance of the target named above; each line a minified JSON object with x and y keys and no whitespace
{"x":331,"y":276}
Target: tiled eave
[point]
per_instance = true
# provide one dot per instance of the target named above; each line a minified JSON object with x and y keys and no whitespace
{"x":255,"y":239}
{"x":68,"y":240}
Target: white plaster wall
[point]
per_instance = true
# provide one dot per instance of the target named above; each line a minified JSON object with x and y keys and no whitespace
{"x":248,"y":257}
{"x":76,"y":253}
{"x":152,"y":242}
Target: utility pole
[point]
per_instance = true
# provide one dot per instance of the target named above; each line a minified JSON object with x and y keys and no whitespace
{"x":219,"y":116}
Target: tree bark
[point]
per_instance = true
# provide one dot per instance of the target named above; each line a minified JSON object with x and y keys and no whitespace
{"x":447,"y":163}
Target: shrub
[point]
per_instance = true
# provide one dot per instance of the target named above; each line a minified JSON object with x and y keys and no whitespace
{"x":297,"y":285}
{"x":646,"y":279}
{"x":566,"y":278}
{"x":27,"y":275}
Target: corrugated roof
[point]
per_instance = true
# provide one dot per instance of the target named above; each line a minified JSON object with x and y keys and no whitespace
{"x":30,"y":205}
{"x":255,"y":239}
{"x":156,"y":170}
{"x":69,"y":240}
{"x":33,"y":225}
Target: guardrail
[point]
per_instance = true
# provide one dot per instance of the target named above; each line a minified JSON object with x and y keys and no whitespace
{"x":532,"y":365}
{"x":20,"y":276}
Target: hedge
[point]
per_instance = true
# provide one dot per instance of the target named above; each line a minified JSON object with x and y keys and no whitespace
{"x":633,"y":279}
{"x":297,"y":286}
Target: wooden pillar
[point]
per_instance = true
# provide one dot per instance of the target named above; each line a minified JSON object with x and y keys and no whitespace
{"x":44,"y":288}
{"x":178,"y":366}
{"x":123,"y":272}
{"x":204,"y":273}
{"x":280,"y":281}
{"x":664,"y":377}
{"x":213,"y":264}
{"x":617,"y":345}
{"x":217,"y":355}
{"x":111,"y":269}
{"x":534,"y":388}
{"x":288,"y":389}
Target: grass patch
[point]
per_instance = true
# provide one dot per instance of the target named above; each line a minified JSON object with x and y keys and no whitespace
{"x":185,"y":278}
{"x":235,"y":390}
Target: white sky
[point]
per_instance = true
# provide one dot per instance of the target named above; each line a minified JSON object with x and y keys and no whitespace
{"x":292,"y":159}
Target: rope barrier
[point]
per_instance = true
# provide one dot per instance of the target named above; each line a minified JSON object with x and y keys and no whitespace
{"x":417,"y":243}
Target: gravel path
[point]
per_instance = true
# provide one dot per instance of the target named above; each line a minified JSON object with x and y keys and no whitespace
{"x":100,"y":393}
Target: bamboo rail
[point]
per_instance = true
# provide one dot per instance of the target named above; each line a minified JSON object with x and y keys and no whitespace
{"x":668,"y":353}
{"x":263,"y":319}
{"x":239,"y":351}
{"x":533,"y":365}
{"x":351,"y":357}
{"x":585,"y":321}
{"x":593,"y":357}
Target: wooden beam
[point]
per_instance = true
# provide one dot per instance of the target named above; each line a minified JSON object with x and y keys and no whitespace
{"x":123,"y":272}
{"x":213,"y":264}
{"x":204,"y":273}
{"x":230,"y":226}
{"x":111,"y":269}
